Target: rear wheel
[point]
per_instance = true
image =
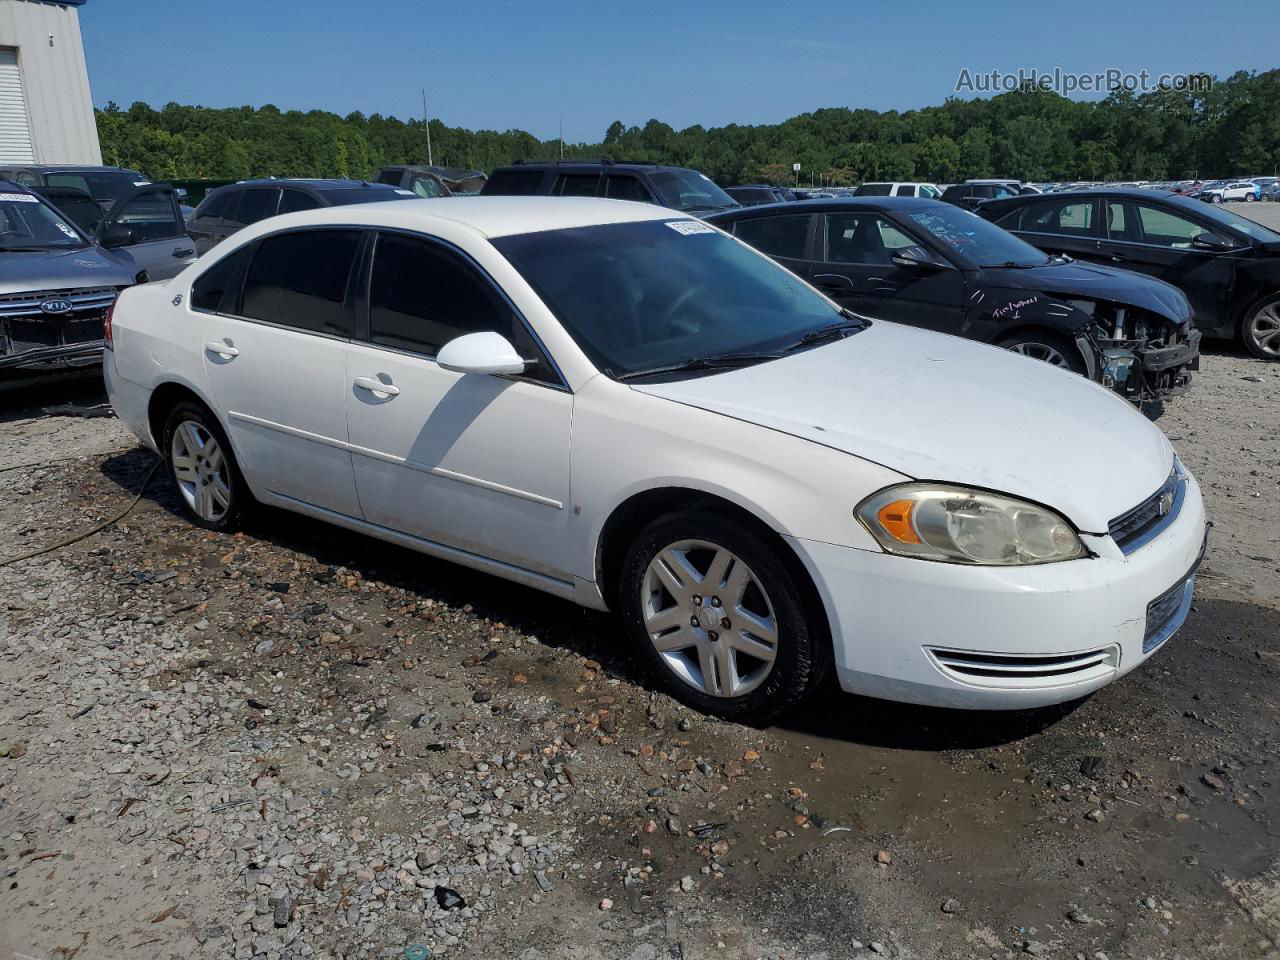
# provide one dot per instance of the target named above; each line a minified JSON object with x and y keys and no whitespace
{"x":203,"y":468}
{"x":1050,"y":348}
{"x":1249,"y":198}
{"x":1260,"y":330}
{"x":718,"y":619}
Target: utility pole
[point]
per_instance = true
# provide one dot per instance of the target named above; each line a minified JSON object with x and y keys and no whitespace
{"x":427,"y":123}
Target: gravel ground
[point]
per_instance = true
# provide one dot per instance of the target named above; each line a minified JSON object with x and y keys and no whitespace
{"x":294,"y":742}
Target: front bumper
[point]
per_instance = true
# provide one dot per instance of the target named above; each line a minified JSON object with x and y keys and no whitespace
{"x":53,"y":359}
{"x":1001,"y":638}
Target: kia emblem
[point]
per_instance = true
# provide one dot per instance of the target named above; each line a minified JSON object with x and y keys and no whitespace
{"x":57,"y":306}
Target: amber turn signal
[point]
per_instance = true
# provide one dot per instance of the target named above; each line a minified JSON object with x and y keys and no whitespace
{"x":895,"y":517}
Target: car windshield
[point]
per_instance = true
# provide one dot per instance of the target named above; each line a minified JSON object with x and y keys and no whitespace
{"x":972,"y":237}
{"x":646,"y":296}
{"x":26,"y":223}
{"x":101,"y":186}
{"x":690,"y":190}
{"x":1214,"y":212}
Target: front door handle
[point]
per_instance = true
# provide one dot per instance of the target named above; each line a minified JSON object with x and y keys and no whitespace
{"x":222,"y":349}
{"x":183,"y":252}
{"x":377,"y":387}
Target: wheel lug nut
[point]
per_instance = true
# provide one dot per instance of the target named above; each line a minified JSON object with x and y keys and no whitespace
{"x":715,"y":601}
{"x":713,"y":635}
{"x":697,"y":599}
{"x":725,"y":623}
{"x":693,"y":621}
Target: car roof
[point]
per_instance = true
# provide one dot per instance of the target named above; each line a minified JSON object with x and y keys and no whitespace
{"x":588,"y":164}
{"x":313,"y":183}
{"x":1144,"y":192}
{"x":66,"y":168}
{"x":493,"y":216}
{"x":832,"y":204}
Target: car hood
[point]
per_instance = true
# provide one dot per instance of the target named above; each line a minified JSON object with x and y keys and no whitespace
{"x":1094,"y":282}
{"x":936,"y":407}
{"x":61,"y":270}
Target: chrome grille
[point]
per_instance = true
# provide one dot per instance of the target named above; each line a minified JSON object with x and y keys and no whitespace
{"x":24,"y":326}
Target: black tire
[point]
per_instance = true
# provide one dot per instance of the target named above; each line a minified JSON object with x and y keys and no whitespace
{"x":236,"y":490}
{"x":802,"y":653}
{"x":1027,"y":342}
{"x":1250,"y":333}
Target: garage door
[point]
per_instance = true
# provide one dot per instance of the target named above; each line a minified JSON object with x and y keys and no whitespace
{"x":15,"y":134}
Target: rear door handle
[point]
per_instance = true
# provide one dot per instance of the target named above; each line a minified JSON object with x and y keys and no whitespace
{"x":377,"y":387}
{"x":224,"y":350}
{"x":183,"y":252}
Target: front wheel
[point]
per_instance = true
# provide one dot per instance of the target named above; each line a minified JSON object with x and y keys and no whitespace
{"x":718,"y":619}
{"x":1260,"y":330}
{"x":1249,"y":198}
{"x":203,"y":468}
{"x":1051,"y":348}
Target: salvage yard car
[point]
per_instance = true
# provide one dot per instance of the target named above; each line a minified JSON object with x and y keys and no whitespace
{"x":935,"y":265}
{"x":1227,"y":265}
{"x":676,"y":187}
{"x":55,"y":288}
{"x":626,"y":407}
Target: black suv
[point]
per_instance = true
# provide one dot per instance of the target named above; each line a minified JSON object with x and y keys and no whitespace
{"x":676,"y":187}
{"x":228,"y":209}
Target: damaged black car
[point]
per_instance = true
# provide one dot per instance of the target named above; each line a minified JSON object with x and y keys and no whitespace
{"x":932,"y":264}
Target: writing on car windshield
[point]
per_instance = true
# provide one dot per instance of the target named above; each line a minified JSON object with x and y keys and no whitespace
{"x":651,"y":295}
{"x":974,"y":238}
{"x":28,"y":224}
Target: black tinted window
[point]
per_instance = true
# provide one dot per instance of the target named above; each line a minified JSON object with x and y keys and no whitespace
{"x":216,"y":290}
{"x":905,"y":190}
{"x":291,"y":201}
{"x":776,"y":236}
{"x":513,"y":183}
{"x":151,"y":216}
{"x":626,"y":188}
{"x":215,"y":205}
{"x":390,"y":176}
{"x":577,"y":184}
{"x":1073,"y":218}
{"x":422,"y":295}
{"x":256,"y":205}
{"x":299,"y":280}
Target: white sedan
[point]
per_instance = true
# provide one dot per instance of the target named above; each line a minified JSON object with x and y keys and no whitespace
{"x":628,"y":408}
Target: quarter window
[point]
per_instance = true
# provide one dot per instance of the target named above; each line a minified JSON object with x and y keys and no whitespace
{"x":777,"y":236}
{"x":300,"y":280}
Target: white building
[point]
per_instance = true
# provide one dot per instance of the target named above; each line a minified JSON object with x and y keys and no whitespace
{"x":46,"y":113}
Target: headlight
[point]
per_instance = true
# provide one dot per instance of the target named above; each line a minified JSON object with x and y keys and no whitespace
{"x":935,"y":521}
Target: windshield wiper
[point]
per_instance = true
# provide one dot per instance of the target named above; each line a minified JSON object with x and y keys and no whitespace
{"x":711,"y":362}
{"x":836,"y":331}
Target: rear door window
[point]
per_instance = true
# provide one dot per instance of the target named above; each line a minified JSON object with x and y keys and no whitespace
{"x":300,"y":280}
{"x":577,"y":184}
{"x":1069,"y":218}
{"x":785,"y":236}
{"x":216,"y":204}
{"x":292,"y":201}
{"x":626,"y":188}
{"x":513,"y":183}
{"x":256,"y":204}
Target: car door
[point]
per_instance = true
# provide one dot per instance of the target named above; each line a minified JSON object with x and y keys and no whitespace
{"x":1070,"y":226}
{"x":1154,"y":239}
{"x":477,"y":463}
{"x":275,"y":318}
{"x":145,"y":226}
{"x":855,"y":268}
{"x":787,"y":238}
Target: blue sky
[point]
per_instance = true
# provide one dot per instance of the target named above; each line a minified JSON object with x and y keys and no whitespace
{"x":500,"y":64}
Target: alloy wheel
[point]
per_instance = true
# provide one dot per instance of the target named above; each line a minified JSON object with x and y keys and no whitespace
{"x":201,"y":471}
{"x":710,"y":618}
{"x":1264,"y":329}
{"x":1041,"y":351}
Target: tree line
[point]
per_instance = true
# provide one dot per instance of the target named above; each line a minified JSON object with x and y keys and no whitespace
{"x":1223,"y":127}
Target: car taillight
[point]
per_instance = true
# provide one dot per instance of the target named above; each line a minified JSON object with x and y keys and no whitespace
{"x":106,"y":327}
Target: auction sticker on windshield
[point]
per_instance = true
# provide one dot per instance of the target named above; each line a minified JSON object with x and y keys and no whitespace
{"x":18,"y":198}
{"x":688,"y":227}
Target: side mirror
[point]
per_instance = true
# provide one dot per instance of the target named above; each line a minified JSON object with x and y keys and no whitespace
{"x":913,"y":258}
{"x":1207,"y":241}
{"x":489,"y":353}
{"x":116,"y":235}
